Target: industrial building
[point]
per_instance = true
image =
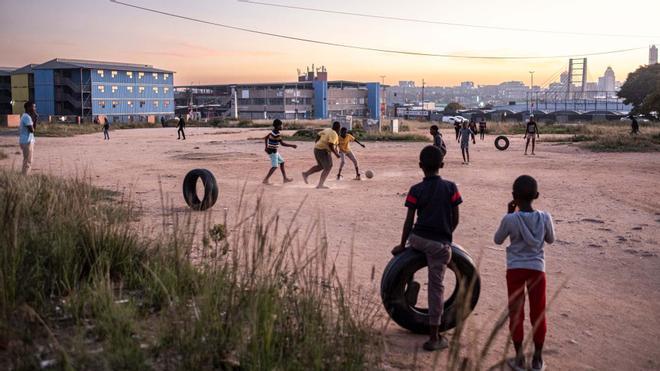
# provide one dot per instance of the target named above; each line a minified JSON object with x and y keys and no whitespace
{"x":120,"y":91}
{"x":311,"y":97}
{"x":5,"y":90}
{"x":22,"y":87}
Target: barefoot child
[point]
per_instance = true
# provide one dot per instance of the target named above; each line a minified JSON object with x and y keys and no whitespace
{"x":435,"y":201}
{"x":528,"y":230}
{"x":465,"y":135}
{"x":345,"y":140}
{"x":531,"y":130}
{"x":273,"y":141}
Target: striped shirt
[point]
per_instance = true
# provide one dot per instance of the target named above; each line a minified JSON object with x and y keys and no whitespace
{"x":274,"y":139}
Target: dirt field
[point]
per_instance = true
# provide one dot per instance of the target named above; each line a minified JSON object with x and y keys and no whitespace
{"x":606,"y":208}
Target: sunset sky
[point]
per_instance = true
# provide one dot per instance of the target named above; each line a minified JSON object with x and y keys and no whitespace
{"x":39,"y":30}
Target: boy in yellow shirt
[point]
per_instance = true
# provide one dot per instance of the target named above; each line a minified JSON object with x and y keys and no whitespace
{"x":325,"y":147}
{"x":345,"y":140}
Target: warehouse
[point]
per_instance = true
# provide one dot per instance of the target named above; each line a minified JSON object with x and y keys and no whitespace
{"x":311,"y":97}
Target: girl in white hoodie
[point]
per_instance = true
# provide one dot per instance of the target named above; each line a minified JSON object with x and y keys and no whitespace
{"x":528,"y":230}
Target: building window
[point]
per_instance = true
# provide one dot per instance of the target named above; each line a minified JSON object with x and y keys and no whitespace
{"x":130,"y":103}
{"x":129,"y":74}
{"x":166,"y":76}
{"x":142,"y":103}
{"x":100,"y":72}
{"x":155,"y":89}
{"x":101,"y":89}
{"x":166,"y":103}
{"x":166,"y":90}
{"x":102,"y":103}
{"x":141,"y":89}
{"x":140,"y":75}
{"x":129,"y":89}
{"x":114,"y":88}
{"x":155,"y":104}
{"x":115,"y":104}
{"x":113,"y":74}
{"x":155,"y":76}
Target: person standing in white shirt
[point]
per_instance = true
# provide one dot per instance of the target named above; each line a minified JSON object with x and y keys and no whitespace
{"x":26,"y":135}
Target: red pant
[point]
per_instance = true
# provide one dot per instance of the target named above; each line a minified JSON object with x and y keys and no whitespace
{"x":516,"y":280}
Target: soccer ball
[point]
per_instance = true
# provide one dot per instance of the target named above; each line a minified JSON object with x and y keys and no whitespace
{"x":369,"y":174}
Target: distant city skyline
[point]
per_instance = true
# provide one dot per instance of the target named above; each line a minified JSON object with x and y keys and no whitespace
{"x":205,"y":54}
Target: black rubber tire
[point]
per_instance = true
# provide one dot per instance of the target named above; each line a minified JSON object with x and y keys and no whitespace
{"x":190,"y":189}
{"x":502,"y":147}
{"x":401,"y":270}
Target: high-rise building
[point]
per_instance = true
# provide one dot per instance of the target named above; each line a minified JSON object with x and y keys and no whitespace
{"x":407,"y":84}
{"x":563,"y":78}
{"x":608,"y":81}
{"x":653,"y":55}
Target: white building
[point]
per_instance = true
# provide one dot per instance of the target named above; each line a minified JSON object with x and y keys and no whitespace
{"x":608,"y":81}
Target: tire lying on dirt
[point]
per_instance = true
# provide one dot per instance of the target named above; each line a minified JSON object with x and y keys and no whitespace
{"x":397,"y":284}
{"x":190,"y":189}
{"x":499,"y":145}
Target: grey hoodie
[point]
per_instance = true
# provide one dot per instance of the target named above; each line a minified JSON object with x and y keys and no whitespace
{"x":528,"y":231}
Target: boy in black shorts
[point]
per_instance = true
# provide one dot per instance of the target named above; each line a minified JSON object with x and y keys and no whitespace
{"x":531,"y":132}
{"x":482,"y":128}
{"x":435,"y":201}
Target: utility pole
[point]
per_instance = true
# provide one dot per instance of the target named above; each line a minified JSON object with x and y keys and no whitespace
{"x":531,"y":91}
{"x":423,"y":83}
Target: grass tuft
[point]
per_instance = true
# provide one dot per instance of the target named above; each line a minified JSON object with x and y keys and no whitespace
{"x":255,"y":296}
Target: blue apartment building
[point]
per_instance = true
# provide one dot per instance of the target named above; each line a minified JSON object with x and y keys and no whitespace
{"x":121,"y":92}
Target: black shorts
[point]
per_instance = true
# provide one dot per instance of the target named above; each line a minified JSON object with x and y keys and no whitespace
{"x":323,"y":158}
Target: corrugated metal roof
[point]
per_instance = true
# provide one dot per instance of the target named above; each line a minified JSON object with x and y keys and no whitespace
{"x":272,"y":84}
{"x":25,"y":69}
{"x":60,"y":63}
{"x":6,"y":71}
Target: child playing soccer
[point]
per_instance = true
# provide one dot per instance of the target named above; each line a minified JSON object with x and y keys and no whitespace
{"x":528,"y":230}
{"x":465,"y":135}
{"x":345,"y":140}
{"x":437,"y":139}
{"x":273,"y":141}
{"x":435,"y":201}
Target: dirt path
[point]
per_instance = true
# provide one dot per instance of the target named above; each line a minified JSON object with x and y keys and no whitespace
{"x":606,"y":208}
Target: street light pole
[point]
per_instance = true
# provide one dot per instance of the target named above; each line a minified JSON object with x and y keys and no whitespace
{"x":423,"y":93}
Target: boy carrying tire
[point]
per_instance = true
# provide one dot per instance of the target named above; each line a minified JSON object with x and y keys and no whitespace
{"x":435,"y":201}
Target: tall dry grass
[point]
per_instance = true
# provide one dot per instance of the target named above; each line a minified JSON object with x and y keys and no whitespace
{"x":81,"y":289}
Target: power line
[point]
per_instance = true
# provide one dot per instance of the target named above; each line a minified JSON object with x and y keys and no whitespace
{"x":357,"y":47}
{"x":443,"y":23}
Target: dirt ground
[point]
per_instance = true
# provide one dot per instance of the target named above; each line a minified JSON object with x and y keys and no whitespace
{"x":606,"y":209}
